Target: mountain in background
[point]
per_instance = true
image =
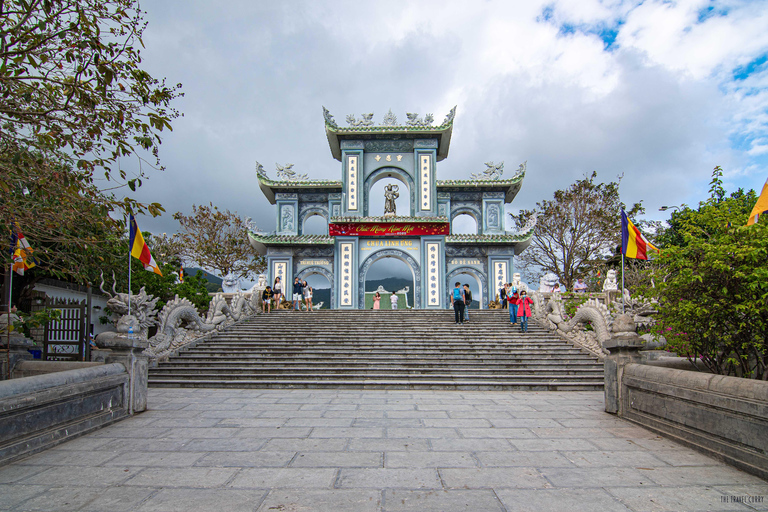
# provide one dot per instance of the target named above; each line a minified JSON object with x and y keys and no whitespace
{"x":214,"y":283}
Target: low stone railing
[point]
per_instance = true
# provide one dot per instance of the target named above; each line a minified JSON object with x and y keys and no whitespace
{"x":725,"y":417}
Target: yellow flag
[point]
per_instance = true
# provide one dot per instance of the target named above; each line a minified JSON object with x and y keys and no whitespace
{"x":761,"y":207}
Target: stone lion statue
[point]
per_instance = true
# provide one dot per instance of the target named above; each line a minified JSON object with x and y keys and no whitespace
{"x":610,"y":284}
{"x":230,"y":284}
{"x":547,"y":282}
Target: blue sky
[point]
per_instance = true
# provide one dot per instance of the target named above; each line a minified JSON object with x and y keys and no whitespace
{"x":659,"y":92}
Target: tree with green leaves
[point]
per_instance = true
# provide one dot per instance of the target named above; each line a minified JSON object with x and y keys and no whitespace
{"x":218,"y":240}
{"x":73,"y":101}
{"x":712,"y":285}
{"x":576,"y":230}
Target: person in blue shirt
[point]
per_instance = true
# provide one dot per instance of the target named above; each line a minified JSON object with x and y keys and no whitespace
{"x":298,"y":289}
{"x":457,"y":301}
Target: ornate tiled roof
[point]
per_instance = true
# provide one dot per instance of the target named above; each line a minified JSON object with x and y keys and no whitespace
{"x":270,"y":186}
{"x":414,"y":128}
{"x":505,"y":238}
{"x":260,"y":241}
{"x":347,"y":220}
{"x":510,"y":186}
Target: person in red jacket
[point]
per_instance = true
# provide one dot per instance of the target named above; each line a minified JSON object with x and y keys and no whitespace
{"x":513,"y":298}
{"x":524,"y":310}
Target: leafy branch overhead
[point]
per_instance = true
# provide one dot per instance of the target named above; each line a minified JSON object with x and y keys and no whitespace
{"x":218,"y":240}
{"x":576,"y":230}
{"x":73,"y":102}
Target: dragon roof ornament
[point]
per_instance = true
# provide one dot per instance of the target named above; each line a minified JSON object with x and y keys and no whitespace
{"x":367,"y":120}
{"x":492,"y":172}
{"x":286,"y":173}
{"x":329,"y":118}
{"x":389,"y":121}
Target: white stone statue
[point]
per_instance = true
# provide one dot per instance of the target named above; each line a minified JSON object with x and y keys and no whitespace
{"x":230,"y":284}
{"x":547,"y":282}
{"x":518,"y":283}
{"x":610,"y":284}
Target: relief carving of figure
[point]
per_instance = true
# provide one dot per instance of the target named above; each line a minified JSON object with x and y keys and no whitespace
{"x":493,"y":216}
{"x":287,"y":217}
{"x":390,"y":194}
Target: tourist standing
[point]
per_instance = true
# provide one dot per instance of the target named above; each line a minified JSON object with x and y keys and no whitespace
{"x":297,"y":292}
{"x":308,"y":296}
{"x":503,"y":296}
{"x":278,"y":291}
{"x":467,"y":301}
{"x":377,"y":301}
{"x":266,"y":299}
{"x":580,"y":286}
{"x":457,"y":301}
{"x":393,"y":300}
{"x":513,"y":301}
{"x":524,"y":310}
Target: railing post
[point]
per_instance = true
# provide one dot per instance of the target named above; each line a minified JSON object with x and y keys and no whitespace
{"x":624,"y":347}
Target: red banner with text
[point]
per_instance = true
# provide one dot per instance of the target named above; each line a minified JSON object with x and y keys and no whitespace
{"x":389,"y":229}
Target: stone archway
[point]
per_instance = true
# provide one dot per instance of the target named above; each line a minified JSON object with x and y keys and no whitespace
{"x":323,"y":272}
{"x":466,"y":209}
{"x":392,"y":253}
{"x":478,"y":275}
{"x":311,"y":212}
{"x":390,"y":172}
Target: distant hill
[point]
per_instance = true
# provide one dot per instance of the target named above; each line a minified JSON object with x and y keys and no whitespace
{"x":214,"y":283}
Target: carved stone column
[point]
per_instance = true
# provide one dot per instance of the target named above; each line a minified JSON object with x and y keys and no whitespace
{"x":128,"y":349}
{"x":624,"y":347}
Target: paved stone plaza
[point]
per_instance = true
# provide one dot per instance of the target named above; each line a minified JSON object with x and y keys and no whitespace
{"x":336,"y":450}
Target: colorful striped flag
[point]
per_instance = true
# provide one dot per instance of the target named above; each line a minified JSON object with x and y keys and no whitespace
{"x":22,"y":252}
{"x":633,"y":243}
{"x":181,"y":274}
{"x":140,"y":250}
{"x":761,"y":207}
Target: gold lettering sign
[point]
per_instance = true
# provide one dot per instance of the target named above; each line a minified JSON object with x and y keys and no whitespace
{"x":314,"y":262}
{"x":466,"y":261}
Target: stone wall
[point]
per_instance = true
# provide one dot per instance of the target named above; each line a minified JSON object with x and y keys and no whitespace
{"x":39,"y":412}
{"x":726,"y":417}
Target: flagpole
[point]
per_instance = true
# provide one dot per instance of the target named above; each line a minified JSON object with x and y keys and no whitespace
{"x":622,"y":283}
{"x":8,"y":324}
{"x":129,"y":265}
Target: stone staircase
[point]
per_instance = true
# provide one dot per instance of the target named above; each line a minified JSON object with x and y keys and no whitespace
{"x":384,"y":350}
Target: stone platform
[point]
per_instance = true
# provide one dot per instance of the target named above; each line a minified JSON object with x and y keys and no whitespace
{"x":374,"y":450}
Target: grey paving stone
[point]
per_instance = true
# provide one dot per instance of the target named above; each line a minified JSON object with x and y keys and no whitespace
{"x":287,"y":414}
{"x":144,"y":445}
{"x":252,"y":459}
{"x":417,"y":414}
{"x":655,"y":444}
{"x":119,"y":499}
{"x":184,"y":500}
{"x":185,"y":422}
{"x":457,"y":423}
{"x":338,"y":460}
{"x":490,"y":433}
{"x":285,"y":478}
{"x":608,"y":421}
{"x":223,"y":445}
{"x":388,"y":422}
{"x":317,"y":500}
{"x":588,"y":459}
{"x":254,"y":422}
{"x":388,"y":445}
{"x":213,"y":405}
{"x":329,"y":407}
{"x":597,"y":477}
{"x":429,"y":460}
{"x":549,"y":445}
{"x":453,"y":408}
{"x":525,"y":423}
{"x":114,"y":431}
{"x":165,"y":459}
{"x":523,"y":459}
{"x":12,"y":495}
{"x":354,"y":414}
{"x":83,"y":476}
{"x":319,"y":422}
{"x":305,"y":445}
{"x":488,"y":415}
{"x":202,"y":433}
{"x":422,"y":433}
{"x":182,"y":477}
{"x":614,"y":444}
{"x":352,"y":432}
{"x":685,"y":458}
{"x":470,"y":445}
{"x":543,"y":414}
{"x":82,"y":443}
{"x":15,"y":472}
{"x":441,"y":501}
{"x":571,"y":433}
{"x":271,"y":432}
{"x":390,"y":407}
{"x":657,"y":499}
{"x":271,"y":407}
{"x":389,"y":478}
{"x":701,"y":475}
{"x":557,"y":500}
{"x":68,"y":458}
{"x":61,"y":499}
{"x":496,"y":478}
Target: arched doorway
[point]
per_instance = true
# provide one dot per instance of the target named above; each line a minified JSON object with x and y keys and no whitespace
{"x":321,"y":281}
{"x":394,"y":270}
{"x":465,"y":221}
{"x":478,"y":284}
{"x":313,"y":221}
{"x":374,"y":191}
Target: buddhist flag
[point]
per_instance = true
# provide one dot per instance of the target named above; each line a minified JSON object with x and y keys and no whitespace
{"x":761,"y":207}
{"x":140,"y":250}
{"x":633,"y":243}
{"x":22,"y":252}
{"x":181,"y":274}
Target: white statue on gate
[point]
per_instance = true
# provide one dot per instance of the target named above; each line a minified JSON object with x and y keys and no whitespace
{"x":517,"y":283}
{"x":610,"y":284}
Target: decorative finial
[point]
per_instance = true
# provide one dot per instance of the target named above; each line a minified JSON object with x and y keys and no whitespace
{"x":492,"y":172}
{"x":450,"y":116}
{"x":260,"y":170}
{"x":390,"y":119}
{"x":415,"y":120}
{"x":521,"y":169}
{"x":367,"y":120}
{"x":329,"y":118}
{"x":287,"y":173}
